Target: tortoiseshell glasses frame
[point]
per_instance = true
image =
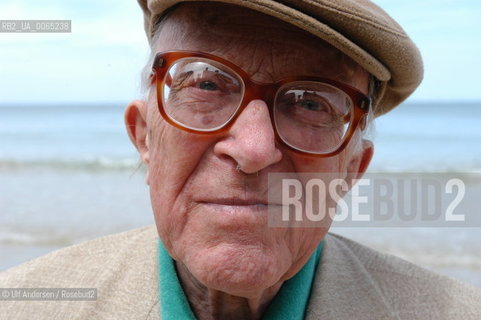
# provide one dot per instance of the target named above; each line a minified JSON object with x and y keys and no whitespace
{"x":357,"y":117}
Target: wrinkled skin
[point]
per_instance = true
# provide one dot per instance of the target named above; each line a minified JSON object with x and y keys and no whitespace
{"x":210,"y":215}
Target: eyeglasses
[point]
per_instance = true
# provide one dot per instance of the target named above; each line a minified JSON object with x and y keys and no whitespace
{"x":204,"y":94}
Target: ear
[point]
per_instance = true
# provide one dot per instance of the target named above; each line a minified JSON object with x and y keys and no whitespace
{"x":360,"y":161}
{"x":135,"y":121}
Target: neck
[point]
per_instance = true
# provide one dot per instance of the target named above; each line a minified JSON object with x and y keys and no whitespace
{"x":212,"y":304}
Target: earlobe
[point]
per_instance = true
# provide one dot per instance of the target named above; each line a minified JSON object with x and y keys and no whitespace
{"x":359,"y":163}
{"x":367,"y":153}
{"x":135,"y":121}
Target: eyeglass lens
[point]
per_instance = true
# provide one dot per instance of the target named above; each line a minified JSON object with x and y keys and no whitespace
{"x":204,"y":95}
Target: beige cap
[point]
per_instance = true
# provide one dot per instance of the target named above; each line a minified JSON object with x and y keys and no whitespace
{"x":359,"y":28}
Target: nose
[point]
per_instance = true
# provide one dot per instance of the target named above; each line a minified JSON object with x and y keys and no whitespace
{"x":251,"y":140}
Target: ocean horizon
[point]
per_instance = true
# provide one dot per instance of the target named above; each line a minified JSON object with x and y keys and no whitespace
{"x":416,"y":136}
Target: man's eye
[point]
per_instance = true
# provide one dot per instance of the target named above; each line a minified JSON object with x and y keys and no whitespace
{"x":309,"y":105}
{"x":208,"y":85}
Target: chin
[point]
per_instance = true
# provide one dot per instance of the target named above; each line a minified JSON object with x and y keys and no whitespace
{"x":238,"y":270}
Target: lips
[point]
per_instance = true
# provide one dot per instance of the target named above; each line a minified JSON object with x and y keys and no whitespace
{"x":232,"y":214}
{"x":239,"y":211}
{"x":238,"y":202}
{"x":235,"y":201}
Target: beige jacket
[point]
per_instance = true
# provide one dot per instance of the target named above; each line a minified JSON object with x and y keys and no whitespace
{"x":352,"y":282}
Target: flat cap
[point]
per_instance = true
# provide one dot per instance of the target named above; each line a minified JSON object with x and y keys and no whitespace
{"x":358,"y":28}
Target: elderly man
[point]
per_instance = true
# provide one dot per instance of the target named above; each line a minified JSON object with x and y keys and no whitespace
{"x":240,"y":90}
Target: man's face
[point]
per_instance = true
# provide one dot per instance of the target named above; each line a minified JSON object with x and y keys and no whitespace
{"x":209,"y":193}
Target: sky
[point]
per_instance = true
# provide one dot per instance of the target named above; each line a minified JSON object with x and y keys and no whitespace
{"x":101,"y":59}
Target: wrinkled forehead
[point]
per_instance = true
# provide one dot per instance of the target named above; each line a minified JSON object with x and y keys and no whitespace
{"x":265,"y":47}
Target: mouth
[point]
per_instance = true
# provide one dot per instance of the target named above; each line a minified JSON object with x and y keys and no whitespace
{"x":235,"y":202}
{"x":238,"y":202}
{"x":234,"y":212}
{"x":240,"y":207}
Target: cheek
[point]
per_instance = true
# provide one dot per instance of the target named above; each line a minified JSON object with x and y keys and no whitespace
{"x":174,"y":156}
{"x":336,"y":166}
{"x":303,"y":164}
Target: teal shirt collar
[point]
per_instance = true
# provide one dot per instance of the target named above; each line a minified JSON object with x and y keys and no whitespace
{"x":290,"y":302}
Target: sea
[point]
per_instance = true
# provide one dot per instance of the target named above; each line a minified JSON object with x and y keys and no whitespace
{"x":68,"y":173}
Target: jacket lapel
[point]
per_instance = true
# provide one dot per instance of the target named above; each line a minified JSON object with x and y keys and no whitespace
{"x":343,"y":288}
